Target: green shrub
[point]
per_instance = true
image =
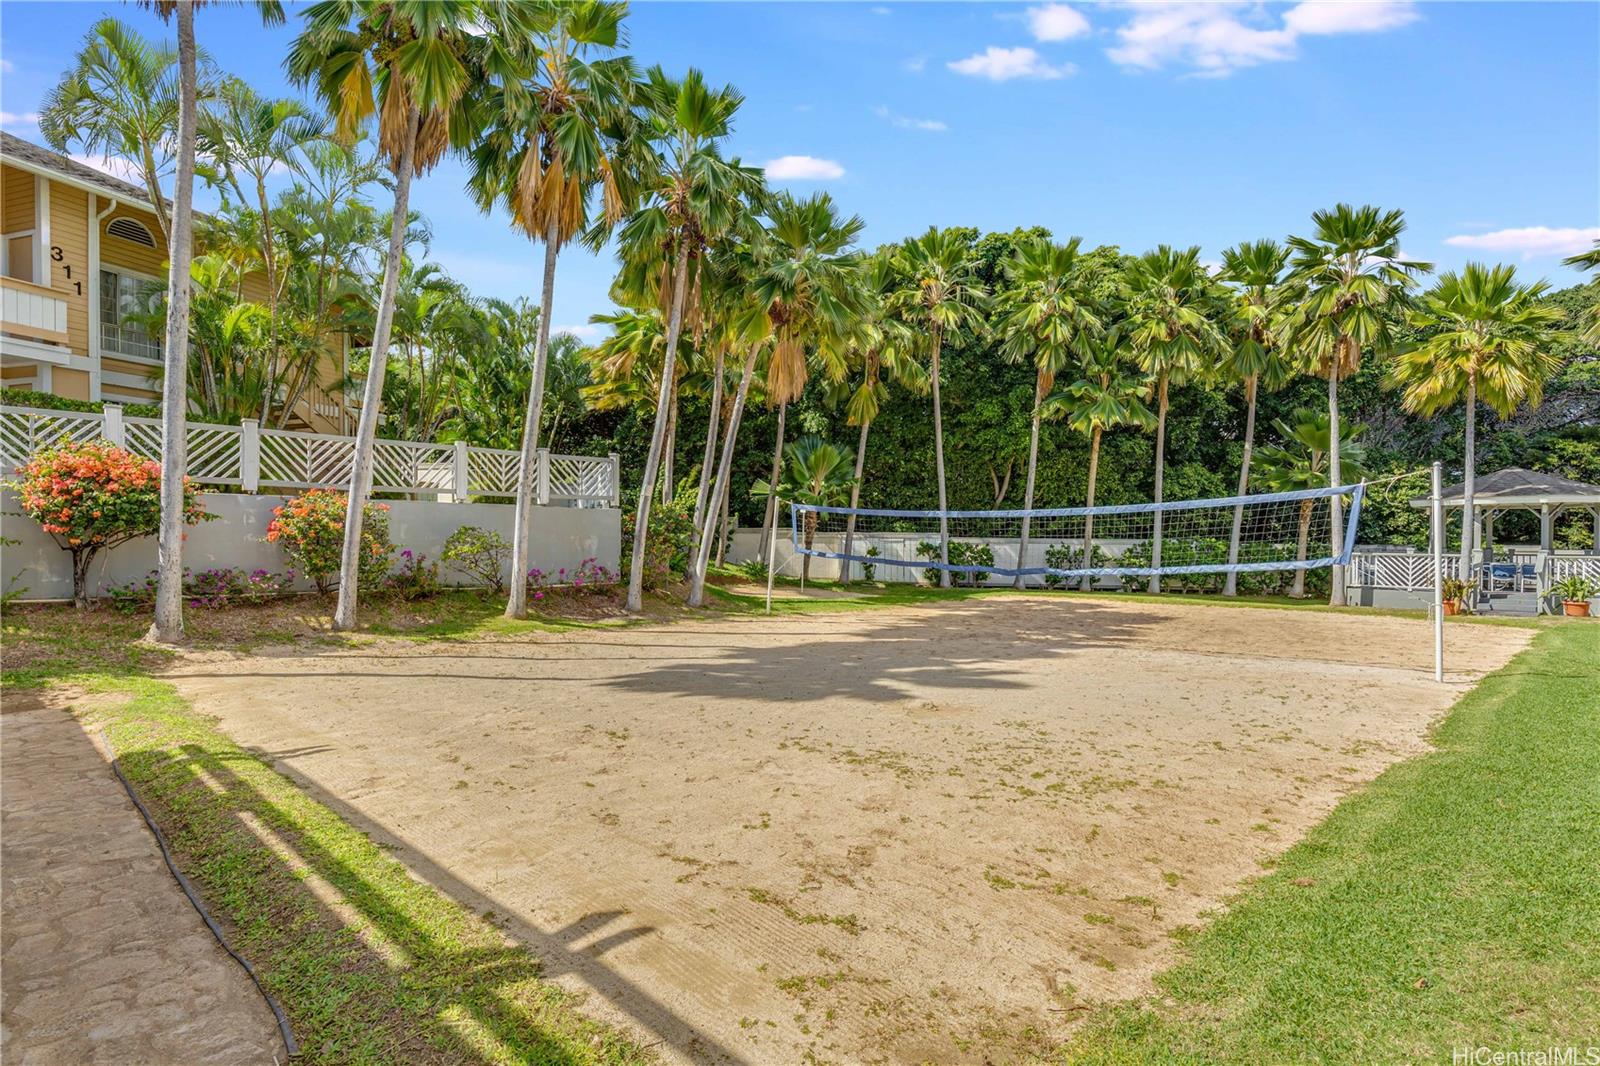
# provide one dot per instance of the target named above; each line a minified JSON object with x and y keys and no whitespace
{"x":1068,"y":557}
{"x":416,"y":579}
{"x":962,"y":553}
{"x":666,"y":546}
{"x":310,"y":528}
{"x":481,"y":554}
{"x":51,"y":402}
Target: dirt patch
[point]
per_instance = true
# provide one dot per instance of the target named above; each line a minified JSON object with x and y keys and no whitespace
{"x":890,"y":835}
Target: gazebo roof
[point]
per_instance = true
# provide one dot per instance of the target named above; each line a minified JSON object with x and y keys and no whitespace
{"x":1517,"y":487}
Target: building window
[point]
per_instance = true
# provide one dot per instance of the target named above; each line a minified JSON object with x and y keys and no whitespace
{"x":125,"y":304}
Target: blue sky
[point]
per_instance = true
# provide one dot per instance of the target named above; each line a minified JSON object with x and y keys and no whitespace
{"x":1132,"y":124}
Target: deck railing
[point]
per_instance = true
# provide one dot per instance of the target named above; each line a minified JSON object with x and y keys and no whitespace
{"x":257,"y":459}
{"x":1413,"y":572}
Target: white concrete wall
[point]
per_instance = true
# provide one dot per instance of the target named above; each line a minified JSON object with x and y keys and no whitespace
{"x":745,"y":545}
{"x":562,"y":537}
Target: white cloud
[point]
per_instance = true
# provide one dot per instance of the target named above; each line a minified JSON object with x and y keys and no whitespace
{"x":916,"y":64}
{"x":589,"y":332}
{"x":803,"y":168}
{"x":880,"y":10}
{"x":1056,"y":22}
{"x":117,"y":168}
{"x":6,"y":66}
{"x":1531,"y":241}
{"x":1217,"y":37}
{"x":11,"y":118}
{"x":928,"y":125}
{"x":1004,"y":64}
{"x":1343,"y":16}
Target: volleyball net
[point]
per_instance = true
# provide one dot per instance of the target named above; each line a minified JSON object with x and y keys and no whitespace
{"x":1239,"y":534}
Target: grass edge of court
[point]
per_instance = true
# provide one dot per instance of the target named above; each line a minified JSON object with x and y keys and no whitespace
{"x":404,"y":969}
{"x":1399,"y":928}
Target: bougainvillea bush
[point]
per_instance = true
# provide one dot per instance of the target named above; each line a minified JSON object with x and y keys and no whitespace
{"x":666,"y":549}
{"x":93,"y":496}
{"x":214,"y":589}
{"x":310,"y":529}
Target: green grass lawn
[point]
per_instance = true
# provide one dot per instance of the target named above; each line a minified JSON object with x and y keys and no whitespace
{"x":1454,"y":902}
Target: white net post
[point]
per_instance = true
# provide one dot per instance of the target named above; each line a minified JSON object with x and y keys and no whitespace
{"x":772,"y":549}
{"x":1436,"y":524}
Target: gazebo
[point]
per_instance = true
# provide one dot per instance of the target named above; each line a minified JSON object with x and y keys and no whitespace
{"x":1517,"y":489}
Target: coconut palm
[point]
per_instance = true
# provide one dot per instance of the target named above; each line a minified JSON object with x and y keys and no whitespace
{"x":880,"y":343}
{"x":557,"y":116}
{"x":1304,"y":461}
{"x":247,"y":136}
{"x":1174,"y":335}
{"x":1264,"y":300}
{"x":1109,"y":392}
{"x":1352,"y":270}
{"x":692,"y":196}
{"x":815,"y":473}
{"x":1486,"y":343}
{"x":944,"y":297}
{"x":1048,"y":319}
{"x":403,"y":63}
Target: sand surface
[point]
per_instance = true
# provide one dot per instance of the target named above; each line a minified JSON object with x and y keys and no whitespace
{"x":891,"y":835}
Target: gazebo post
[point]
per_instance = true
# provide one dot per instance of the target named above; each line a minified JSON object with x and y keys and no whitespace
{"x":1547,"y":528}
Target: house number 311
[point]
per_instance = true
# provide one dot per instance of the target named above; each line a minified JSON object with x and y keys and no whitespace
{"x":57,"y":255}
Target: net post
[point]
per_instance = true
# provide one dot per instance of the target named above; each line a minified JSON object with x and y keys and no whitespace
{"x":772,"y":550}
{"x":1436,"y":524}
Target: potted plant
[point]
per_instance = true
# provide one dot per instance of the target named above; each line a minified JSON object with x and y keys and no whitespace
{"x":1455,"y":590}
{"x":1575,"y":592}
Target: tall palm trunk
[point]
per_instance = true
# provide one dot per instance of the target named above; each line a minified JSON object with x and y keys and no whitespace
{"x":697,"y":584}
{"x":1161,"y":463}
{"x":938,"y":462}
{"x":1469,"y":518}
{"x":1335,"y":504}
{"x":702,"y":527}
{"x":168,"y":625}
{"x":658,"y":434}
{"x":344,"y":615}
{"x":1231,"y":586}
{"x":1027,"y":493}
{"x":855,"y":501}
{"x":270,"y":260}
{"x":771,"y":518}
{"x":1306,"y":508}
{"x":809,"y":524}
{"x":727,"y":527}
{"x":517,"y":602}
{"x":1088,"y":520}
{"x":669,"y":452}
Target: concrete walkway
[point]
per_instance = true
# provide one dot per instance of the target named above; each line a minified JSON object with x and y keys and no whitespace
{"x":104,"y":959}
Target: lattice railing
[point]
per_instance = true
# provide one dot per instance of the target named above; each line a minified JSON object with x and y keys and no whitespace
{"x":1409,"y":571}
{"x":256,"y":458}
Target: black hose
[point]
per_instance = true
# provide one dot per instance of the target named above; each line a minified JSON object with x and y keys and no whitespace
{"x":194,"y":897}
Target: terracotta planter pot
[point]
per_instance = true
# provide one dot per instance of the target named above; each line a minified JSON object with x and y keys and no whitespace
{"x":1451,"y":606}
{"x":1576,"y":608}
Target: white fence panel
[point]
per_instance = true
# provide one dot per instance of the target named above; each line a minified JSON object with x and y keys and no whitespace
{"x":283,"y":459}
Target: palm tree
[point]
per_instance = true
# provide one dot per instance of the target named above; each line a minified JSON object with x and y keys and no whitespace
{"x":1352,"y":269}
{"x":817,"y":473}
{"x":556,"y":118}
{"x":944,"y":296}
{"x":805,"y":288}
{"x":403,"y":63}
{"x":1107,"y":394}
{"x":1485,"y":343}
{"x":566,"y":375}
{"x":1264,"y":301}
{"x":880,"y":342}
{"x":1304,"y":461}
{"x":248,"y":137}
{"x":692,"y":196}
{"x":1048,"y":319}
{"x":1589,"y":260}
{"x":1170,"y":309}
{"x":123,"y":97}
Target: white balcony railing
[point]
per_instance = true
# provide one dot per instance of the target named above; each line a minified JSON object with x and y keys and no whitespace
{"x":32,"y":311}
{"x":257,"y":459}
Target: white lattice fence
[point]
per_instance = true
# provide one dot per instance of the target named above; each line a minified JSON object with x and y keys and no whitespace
{"x":1565,"y":566}
{"x":254,"y":458}
{"x":25,"y":430}
{"x":1409,"y":571}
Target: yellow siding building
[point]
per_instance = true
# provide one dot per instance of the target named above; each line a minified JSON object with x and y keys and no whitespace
{"x":75,"y":245}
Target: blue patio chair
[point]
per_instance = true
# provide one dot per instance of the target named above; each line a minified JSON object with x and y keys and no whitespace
{"x":1502,"y":577}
